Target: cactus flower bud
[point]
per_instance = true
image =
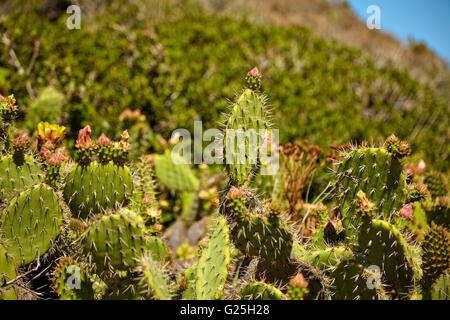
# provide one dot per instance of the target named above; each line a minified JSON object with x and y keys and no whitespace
{"x":406,"y":212}
{"x":84,"y":138}
{"x":103,"y":141}
{"x":58,"y":157}
{"x":253,"y":79}
{"x":22,"y":141}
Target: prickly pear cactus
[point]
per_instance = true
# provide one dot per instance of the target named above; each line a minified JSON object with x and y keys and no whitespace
{"x":435,"y":255}
{"x":31,"y":223}
{"x":350,"y":282}
{"x":437,"y":184}
{"x":116,"y":242}
{"x":437,"y":211}
{"x":211,"y":270}
{"x":154,"y":280}
{"x":379,"y":175}
{"x":260,"y":236}
{"x":175,"y":176}
{"x":15,"y":176}
{"x":383,"y":245}
{"x":95,"y":187}
{"x":71,"y":281}
{"x":7,"y":273}
{"x":246,"y":127}
{"x":261,"y":291}
{"x":325,"y":258}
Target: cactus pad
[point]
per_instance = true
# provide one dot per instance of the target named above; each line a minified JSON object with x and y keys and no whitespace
{"x":349,"y":282}
{"x":71,"y":281}
{"x":116,"y":242}
{"x":7,"y":273}
{"x":248,"y":113}
{"x":93,"y":188}
{"x":437,"y":184}
{"x":154,"y":281}
{"x":383,"y":245}
{"x":435,"y":254}
{"x":260,"y":236}
{"x":375,"y":172}
{"x":31,"y":223}
{"x":213,"y":263}
{"x":261,"y":291}
{"x":14,"y":177}
{"x":177,"y":177}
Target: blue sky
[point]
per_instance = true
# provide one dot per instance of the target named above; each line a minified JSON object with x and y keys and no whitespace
{"x":422,"y":20}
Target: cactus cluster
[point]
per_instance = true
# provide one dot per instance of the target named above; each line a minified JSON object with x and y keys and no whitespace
{"x":373,"y":233}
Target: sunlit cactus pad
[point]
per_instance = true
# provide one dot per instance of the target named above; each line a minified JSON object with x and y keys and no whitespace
{"x":94,"y":188}
{"x":31,"y":223}
{"x":14,"y":176}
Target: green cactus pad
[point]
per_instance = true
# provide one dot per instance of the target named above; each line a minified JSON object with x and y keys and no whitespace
{"x":93,"y":188}
{"x":322,"y":259}
{"x":213,"y":263}
{"x":154,"y":282}
{"x":31,"y":223}
{"x":116,"y":242}
{"x":176,"y":177}
{"x":259,"y":236}
{"x":350,"y":282}
{"x":375,"y":172}
{"x":7,"y":273}
{"x":248,"y":113}
{"x":14,"y":176}
{"x":383,"y":245}
{"x":261,"y":291}
{"x":71,"y":281}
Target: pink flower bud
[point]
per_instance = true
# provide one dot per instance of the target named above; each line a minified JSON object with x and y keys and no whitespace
{"x":103,"y":141}
{"x":406,"y":211}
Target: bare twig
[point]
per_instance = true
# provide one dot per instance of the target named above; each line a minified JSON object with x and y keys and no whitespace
{"x":5,"y":284}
